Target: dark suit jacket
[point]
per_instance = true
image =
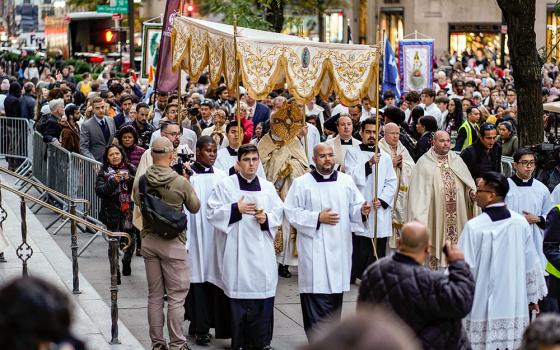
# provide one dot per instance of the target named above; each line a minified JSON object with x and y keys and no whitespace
{"x":119,"y":120}
{"x":92,"y":141}
{"x":262,"y":114}
{"x":50,"y":129}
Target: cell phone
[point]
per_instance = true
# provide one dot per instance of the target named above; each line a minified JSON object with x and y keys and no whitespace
{"x":444,"y":249}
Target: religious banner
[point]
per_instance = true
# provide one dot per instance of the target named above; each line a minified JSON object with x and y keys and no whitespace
{"x":150,"y":47}
{"x":416,"y":64}
{"x":166,"y":79}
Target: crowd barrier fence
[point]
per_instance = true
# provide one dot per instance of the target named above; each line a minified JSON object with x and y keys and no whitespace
{"x":16,"y":143}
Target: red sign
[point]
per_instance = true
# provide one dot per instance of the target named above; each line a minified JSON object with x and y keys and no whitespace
{"x":116,"y":16}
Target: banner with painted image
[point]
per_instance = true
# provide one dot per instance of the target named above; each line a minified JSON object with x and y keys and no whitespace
{"x":416,"y":64}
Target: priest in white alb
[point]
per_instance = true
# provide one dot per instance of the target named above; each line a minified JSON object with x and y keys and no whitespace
{"x":440,"y":195}
{"x":325,"y":207}
{"x":360,"y":165}
{"x":206,"y":305}
{"x":507,"y":270}
{"x":226,"y":159}
{"x":247,"y":210}
{"x":529,"y":197}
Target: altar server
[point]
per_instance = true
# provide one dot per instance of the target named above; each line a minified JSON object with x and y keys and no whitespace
{"x":246,"y":209}
{"x":325,"y":207}
{"x":206,"y":301}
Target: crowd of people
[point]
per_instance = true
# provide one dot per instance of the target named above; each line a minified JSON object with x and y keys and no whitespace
{"x":418,"y":182}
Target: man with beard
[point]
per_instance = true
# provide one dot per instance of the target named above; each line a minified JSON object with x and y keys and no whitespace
{"x":441,"y":195}
{"x":70,"y":134}
{"x":124,"y":116}
{"x":324,"y":206}
{"x":143,"y":128}
{"x":206,"y":305}
{"x":360,"y":165}
{"x":159,"y":107}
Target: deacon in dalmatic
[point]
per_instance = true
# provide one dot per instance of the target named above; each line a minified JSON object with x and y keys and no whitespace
{"x":206,"y":305}
{"x":325,"y":207}
{"x":441,"y":195}
{"x":226,"y":159}
{"x":360,"y":165}
{"x":529,"y":197}
{"x":284,"y":159}
{"x":499,"y":247}
{"x":246,"y":209}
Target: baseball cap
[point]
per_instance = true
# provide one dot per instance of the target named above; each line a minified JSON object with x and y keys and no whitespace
{"x":162,"y":145}
{"x":476,"y":94}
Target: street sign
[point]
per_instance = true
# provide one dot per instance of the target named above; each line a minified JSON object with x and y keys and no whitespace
{"x":117,"y":16}
{"x":116,"y":6}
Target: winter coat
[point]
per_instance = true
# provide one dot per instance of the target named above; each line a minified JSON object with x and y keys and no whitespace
{"x":431,"y":303}
{"x":108,"y":190}
{"x":134,"y":154}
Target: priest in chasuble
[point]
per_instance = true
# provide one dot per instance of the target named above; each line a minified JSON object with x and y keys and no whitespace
{"x":284,"y":159}
{"x":441,"y":195}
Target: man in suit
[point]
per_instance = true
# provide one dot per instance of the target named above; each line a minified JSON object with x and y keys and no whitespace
{"x":257,"y":112}
{"x":97,"y":132}
{"x":344,"y":140}
{"x":124,"y":116}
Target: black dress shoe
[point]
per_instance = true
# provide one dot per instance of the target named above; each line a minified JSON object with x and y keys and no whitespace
{"x":126,"y":270}
{"x":2,"y":258}
{"x":202,"y":339}
{"x":283,"y":271}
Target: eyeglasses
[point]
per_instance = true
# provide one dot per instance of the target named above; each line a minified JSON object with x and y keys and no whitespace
{"x":525,"y":163}
{"x":487,"y":191}
{"x":172,"y":134}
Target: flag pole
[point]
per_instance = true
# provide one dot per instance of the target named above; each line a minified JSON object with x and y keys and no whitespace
{"x":237,"y":110}
{"x":376,"y":177}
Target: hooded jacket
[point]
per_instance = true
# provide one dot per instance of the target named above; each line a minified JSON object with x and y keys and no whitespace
{"x":173,"y":189}
{"x":12,"y":105}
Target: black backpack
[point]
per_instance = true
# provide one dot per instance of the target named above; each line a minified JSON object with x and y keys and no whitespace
{"x":164,"y":220}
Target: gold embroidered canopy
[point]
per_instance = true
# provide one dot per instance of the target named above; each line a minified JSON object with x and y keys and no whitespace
{"x":269,"y":61}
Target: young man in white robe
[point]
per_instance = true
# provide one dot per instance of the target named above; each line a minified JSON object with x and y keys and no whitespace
{"x":226,"y":159}
{"x":360,"y":165}
{"x":499,"y":247}
{"x":206,"y":305}
{"x":344,"y":140}
{"x":529,"y":197}
{"x":325,"y":207}
{"x":246,"y":209}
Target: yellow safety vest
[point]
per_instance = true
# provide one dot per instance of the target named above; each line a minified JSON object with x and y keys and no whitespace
{"x":549,"y":267}
{"x":468,"y":139}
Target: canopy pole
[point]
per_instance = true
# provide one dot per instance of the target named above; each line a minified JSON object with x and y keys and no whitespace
{"x":237,"y":110}
{"x":180,"y":107}
{"x":376,"y":177}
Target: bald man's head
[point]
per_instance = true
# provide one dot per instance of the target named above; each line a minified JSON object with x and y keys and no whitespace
{"x":391,"y":127}
{"x":441,"y":142}
{"x":414,"y":237}
{"x":391,"y":132}
{"x":321,"y":147}
{"x":323,"y":155}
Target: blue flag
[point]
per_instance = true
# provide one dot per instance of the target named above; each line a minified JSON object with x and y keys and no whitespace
{"x":391,"y":72}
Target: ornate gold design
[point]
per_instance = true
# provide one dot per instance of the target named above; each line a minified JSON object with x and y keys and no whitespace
{"x":286,"y":122}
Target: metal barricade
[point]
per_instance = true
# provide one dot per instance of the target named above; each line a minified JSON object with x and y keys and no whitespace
{"x":83,"y":172}
{"x":58,"y":169}
{"x":39,"y":169}
{"x":16,"y":143}
{"x":507,"y":166}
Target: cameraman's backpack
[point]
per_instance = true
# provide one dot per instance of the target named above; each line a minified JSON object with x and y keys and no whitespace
{"x":164,"y":220}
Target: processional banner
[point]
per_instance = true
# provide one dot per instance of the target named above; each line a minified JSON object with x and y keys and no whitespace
{"x":416,"y":64}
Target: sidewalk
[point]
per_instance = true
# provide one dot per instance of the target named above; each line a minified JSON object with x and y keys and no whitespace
{"x":95,"y":279}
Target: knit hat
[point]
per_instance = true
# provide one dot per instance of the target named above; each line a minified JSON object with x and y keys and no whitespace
{"x":5,"y":86}
{"x":491,"y":119}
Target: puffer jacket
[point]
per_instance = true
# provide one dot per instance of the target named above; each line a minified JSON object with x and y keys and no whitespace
{"x":134,"y":154}
{"x":431,"y":303}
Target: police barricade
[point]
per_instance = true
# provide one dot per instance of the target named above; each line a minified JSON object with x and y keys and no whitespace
{"x":39,"y":169}
{"x":16,"y":143}
{"x":507,"y":166}
{"x":58,"y":169}
{"x":83,"y":172}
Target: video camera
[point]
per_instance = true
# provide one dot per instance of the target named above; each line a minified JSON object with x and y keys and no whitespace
{"x":182,"y":159}
{"x":547,"y":155}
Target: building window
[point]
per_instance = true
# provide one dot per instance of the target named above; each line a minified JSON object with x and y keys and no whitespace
{"x":552,"y":35}
{"x":469,"y":38}
{"x":391,"y":20}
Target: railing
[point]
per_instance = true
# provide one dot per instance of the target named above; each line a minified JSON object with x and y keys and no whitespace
{"x":16,"y":143}
{"x":24,"y":251}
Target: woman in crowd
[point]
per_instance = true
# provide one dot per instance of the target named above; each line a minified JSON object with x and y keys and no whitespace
{"x":114,"y":186}
{"x":128,"y":139}
{"x":259,"y":133}
{"x":415,"y":115}
{"x":508,"y":139}
{"x":426,"y":127}
{"x":454,"y":117}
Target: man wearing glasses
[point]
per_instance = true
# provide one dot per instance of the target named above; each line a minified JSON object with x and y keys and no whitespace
{"x":529,"y":197}
{"x":485,"y":153}
{"x":499,"y":248}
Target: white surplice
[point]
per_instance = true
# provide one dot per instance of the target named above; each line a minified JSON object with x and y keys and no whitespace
{"x":205,"y":246}
{"x":324,"y":253}
{"x":355,"y":165}
{"x":555,"y":195}
{"x":313,"y":139}
{"x":508,"y":277}
{"x":249,"y":261}
{"x":227,"y":157}
{"x":534,"y":199}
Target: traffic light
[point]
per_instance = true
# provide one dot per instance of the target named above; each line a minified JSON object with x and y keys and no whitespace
{"x":109,"y":36}
{"x":190,"y":9}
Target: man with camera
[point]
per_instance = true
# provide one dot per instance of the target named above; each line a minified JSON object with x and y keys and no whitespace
{"x":165,"y":257}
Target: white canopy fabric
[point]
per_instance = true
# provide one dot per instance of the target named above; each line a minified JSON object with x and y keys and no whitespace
{"x":269,"y":61}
